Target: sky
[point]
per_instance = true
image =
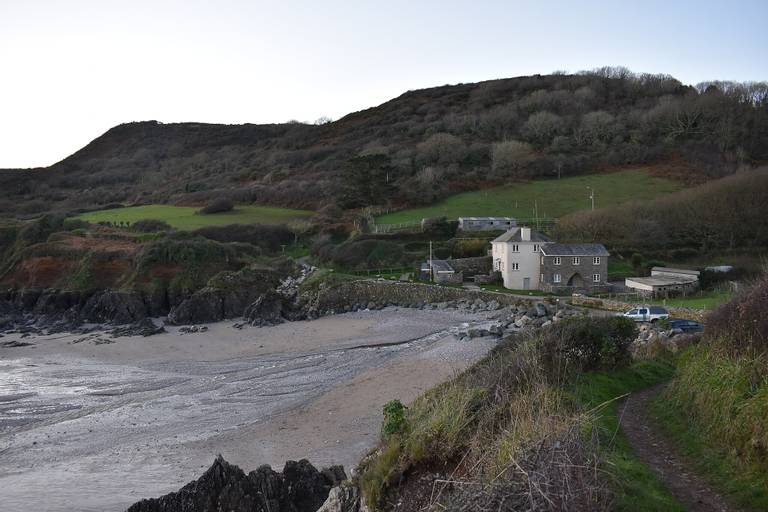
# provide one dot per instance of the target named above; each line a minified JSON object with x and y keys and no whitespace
{"x":72,"y":69}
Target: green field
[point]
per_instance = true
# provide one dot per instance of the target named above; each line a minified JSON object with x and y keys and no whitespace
{"x":186,"y":217}
{"x":702,"y":300}
{"x":554,"y":198}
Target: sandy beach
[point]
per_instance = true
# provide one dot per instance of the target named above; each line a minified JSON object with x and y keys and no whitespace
{"x":92,"y":423}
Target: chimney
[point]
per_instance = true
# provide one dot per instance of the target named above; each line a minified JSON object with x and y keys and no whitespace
{"x":525,"y":234}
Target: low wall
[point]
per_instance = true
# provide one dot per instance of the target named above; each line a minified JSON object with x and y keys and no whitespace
{"x":349,"y":294}
{"x":615,"y":305}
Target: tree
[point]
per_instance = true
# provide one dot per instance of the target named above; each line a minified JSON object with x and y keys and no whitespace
{"x":541,"y":127}
{"x":509,"y":156}
{"x":441,"y":148}
{"x":367,"y":180}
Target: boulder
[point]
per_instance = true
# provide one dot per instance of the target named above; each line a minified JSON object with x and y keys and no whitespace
{"x":266,"y":310}
{"x":299,"y":488}
{"x":204,"y":306}
{"x":114,"y":306}
{"x":541,"y":309}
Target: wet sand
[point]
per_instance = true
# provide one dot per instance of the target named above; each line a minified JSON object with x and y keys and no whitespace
{"x":86,"y":426}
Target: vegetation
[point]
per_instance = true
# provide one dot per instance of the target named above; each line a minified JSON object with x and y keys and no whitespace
{"x":219,"y":205}
{"x":702,"y":300}
{"x":719,"y":398}
{"x":422,"y":146}
{"x":184,"y":218}
{"x":551,"y":198}
{"x":531,"y":415}
{"x":722,"y":215}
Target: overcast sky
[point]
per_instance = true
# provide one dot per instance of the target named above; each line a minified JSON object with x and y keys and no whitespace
{"x":70,"y":70}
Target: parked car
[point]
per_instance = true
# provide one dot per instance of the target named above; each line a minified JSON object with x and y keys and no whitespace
{"x":685,"y":325}
{"x":647,"y":313}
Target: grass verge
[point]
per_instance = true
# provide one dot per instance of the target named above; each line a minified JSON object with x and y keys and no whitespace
{"x":186,"y":217}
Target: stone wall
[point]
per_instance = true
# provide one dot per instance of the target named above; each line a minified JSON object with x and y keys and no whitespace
{"x":348,"y":295}
{"x":615,"y":305}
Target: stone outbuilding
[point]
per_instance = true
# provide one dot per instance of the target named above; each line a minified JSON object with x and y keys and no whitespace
{"x":574,"y":267}
{"x":664,"y":281}
{"x":486,"y":223}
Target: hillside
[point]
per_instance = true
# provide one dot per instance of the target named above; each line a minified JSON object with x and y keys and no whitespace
{"x":414,"y":149}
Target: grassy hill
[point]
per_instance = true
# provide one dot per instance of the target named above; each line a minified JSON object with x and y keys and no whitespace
{"x":186,"y":217}
{"x":416,"y":149}
{"x":553,"y":198}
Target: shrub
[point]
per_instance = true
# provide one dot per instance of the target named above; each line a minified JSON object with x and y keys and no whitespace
{"x":150,"y":226}
{"x":265,"y":236}
{"x":394,"y":418}
{"x":585,"y":344}
{"x":470,"y":248}
{"x":219,"y":205}
{"x":741,"y":325}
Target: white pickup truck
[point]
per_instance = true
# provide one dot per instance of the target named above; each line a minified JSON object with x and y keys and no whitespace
{"x":647,"y":313}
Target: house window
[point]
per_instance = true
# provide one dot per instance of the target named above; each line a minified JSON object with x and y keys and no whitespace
{"x":535,"y":248}
{"x":541,"y":278}
{"x":556,"y":278}
{"x":542,"y":260}
{"x":556,"y":260}
{"x":497,"y":264}
{"x":596,"y":260}
{"x":576,"y":260}
{"x":595,"y":278}
{"x":515,"y":248}
{"x":515,"y":266}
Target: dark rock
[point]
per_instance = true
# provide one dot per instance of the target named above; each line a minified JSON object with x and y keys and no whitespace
{"x":266,"y":310}
{"x":207,"y":305}
{"x":541,"y":309}
{"x":117,"y":307}
{"x":225,"y":487}
{"x":144,"y":327}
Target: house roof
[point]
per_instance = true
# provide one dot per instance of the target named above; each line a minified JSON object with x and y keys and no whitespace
{"x":659,"y":280}
{"x":675,"y":271}
{"x":438,"y":266}
{"x":486,"y":218}
{"x":574,"y":250}
{"x":513,"y":235}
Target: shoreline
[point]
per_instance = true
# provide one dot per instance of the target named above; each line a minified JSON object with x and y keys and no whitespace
{"x":113,"y":423}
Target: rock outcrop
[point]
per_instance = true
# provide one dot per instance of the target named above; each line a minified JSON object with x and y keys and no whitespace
{"x":225,"y":487}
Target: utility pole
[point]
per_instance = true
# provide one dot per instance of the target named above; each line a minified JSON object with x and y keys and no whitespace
{"x":592,"y":196}
{"x":431,"y":272}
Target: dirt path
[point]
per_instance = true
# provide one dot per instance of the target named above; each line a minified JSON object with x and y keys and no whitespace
{"x":659,"y":454}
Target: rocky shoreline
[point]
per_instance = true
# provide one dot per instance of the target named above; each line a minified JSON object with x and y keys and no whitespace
{"x":258,"y":302}
{"x":300,"y":487}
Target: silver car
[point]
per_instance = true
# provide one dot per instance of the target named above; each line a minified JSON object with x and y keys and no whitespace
{"x":647,"y":313}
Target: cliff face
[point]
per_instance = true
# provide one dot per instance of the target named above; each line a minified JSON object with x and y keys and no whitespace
{"x":299,"y":488}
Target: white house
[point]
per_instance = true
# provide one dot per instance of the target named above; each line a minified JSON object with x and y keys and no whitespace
{"x":516,"y":255}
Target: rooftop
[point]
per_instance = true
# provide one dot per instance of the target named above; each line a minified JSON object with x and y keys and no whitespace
{"x":574,"y":250}
{"x":486,"y":218}
{"x":513,"y":235}
{"x":660,"y":280}
{"x":675,"y":270}
{"x":438,"y":266}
